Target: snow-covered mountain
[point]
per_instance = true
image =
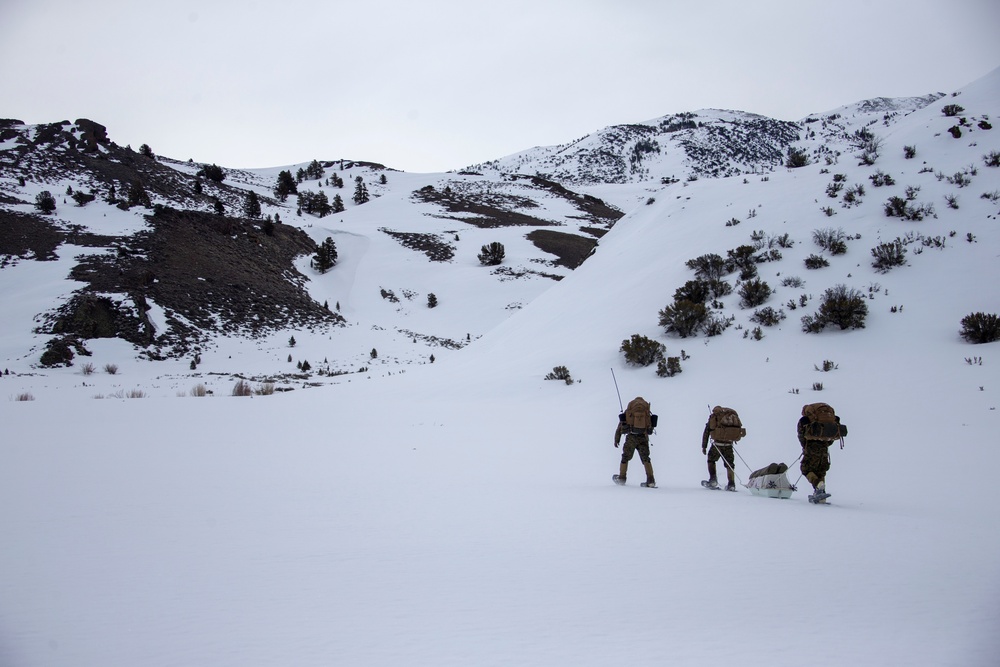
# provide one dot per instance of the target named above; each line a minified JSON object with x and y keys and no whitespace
{"x":461,"y":511}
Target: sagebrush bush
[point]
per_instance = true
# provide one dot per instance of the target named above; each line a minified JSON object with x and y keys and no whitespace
{"x":830,"y":239}
{"x":754,"y":292}
{"x":642,"y":351}
{"x":242,"y":388}
{"x":668,"y":367}
{"x":816,"y":262}
{"x":951,"y":110}
{"x":708,"y":267}
{"x":199,"y":391}
{"x":980,"y":328}
{"x":684,"y":317}
{"x":560,"y":373}
{"x":768,"y":316}
{"x":888,"y":255}
{"x":716,"y":324}
{"x":841,"y":306}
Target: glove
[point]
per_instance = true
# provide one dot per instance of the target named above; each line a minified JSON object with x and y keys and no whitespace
{"x":704,"y":450}
{"x":616,"y":444}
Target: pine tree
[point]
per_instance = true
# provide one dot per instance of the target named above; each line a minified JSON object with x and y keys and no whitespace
{"x":285,"y":185}
{"x":338,"y":204}
{"x":326,"y":256}
{"x":251,"y":207}
{"x":360,"y":191}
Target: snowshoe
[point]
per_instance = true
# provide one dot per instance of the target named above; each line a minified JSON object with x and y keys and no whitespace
{"x":618,"y":479}
{"x":710,"y":484}
{"x":819,"y":498}
{"x":648,"y":485}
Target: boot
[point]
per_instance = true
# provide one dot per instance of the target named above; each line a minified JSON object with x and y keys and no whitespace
{"x":713,"y":482}
{"x":731,"y":479}
{"x":650,"y":478}
{"x":813,"y":479}
{"x":620,"y":477}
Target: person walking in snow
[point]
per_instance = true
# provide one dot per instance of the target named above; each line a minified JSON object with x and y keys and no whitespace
{"x":818,"y":428}
{"x":724,"y":428}
{"x":636,"y":423}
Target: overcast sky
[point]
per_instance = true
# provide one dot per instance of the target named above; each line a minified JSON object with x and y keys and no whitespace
{"x":429,"y":86}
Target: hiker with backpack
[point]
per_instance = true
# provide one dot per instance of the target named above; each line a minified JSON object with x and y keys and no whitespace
{"x":724,"y":428}
{"x":636,"y":423}
{"x":818,"y":428}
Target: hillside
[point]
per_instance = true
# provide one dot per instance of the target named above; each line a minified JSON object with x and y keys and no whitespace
{"x":461,"y":511}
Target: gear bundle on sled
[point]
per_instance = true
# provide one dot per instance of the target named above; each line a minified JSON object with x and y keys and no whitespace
{"x":771,"y":482}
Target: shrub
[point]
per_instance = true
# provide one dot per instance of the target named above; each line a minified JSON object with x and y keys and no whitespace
{"x":841,"y":306}
{"x":266,"y":389}
{"x":754,"y":292}
{"x":135,"y":393}
{"x":683,"y":317}
{"x":716,"y":324}
{"x":816,"y":262}
{"x":432,"y":300}
{"x":831,"y":239}
{"x":45,"y":202}
{"x":492,"y":254}
{"x":951,"y":110}
{"x":82,"y":198}
{"x":708,"y":267}
{"x":797,"y":157}
{"x":792,"y":281}
{"x":696,"y":291}
{"x":560,"y":373}
{"x":768,"y":316}
{"x":669,"y":367}
{"x":87,"y":368}
{"x":111,"y":369}
{"x":909,"y":152}
{"x":827,"y":366}
{"x":242,"y":388}
{"x":980,"y":328}
{"x":24,"y":396}
{"x":955,"y":131}
{"x":199,"y":391}
{"x":642,"y":351}
{"x":992,"y":159}
{"x":888,"y":255}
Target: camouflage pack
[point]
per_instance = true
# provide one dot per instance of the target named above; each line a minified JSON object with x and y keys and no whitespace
{"x":823,"y":423}
{"x":724,"y":425}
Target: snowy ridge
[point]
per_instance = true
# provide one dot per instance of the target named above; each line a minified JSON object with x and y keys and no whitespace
{"x":461,"y":512}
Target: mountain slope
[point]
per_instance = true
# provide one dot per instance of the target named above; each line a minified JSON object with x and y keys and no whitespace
{"x":462,"y":512}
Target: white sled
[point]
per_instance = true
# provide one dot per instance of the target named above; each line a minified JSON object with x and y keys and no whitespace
{"x":771,"y":482}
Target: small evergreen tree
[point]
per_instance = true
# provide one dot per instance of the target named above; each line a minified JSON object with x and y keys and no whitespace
{"x":213,"y":172}
{"x":432,"y":300}
{"x":251,"y":207}
{"x":45,"y":202}
{"x":326,"y":256}
{"x":285,"y":185}
{"x":146,"y":151}
{"x":492,"y":254}
{"x":360,"y":191}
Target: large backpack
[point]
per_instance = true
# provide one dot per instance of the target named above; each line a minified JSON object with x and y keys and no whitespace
{"x":725,"y":426}
{"x":823,"y":423}
{"x":638,"y":417}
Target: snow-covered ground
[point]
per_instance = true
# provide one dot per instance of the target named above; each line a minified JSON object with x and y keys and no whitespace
{"x":461,"y":512}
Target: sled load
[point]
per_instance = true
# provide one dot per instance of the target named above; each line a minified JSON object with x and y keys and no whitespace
{"x":771,"y":482}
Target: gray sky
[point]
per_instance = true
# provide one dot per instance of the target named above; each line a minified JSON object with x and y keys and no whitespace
{"x":440,"y":84}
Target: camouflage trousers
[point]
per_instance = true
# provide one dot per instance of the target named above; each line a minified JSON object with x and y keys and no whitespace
{"x":815,"y":459}
{"x":723,"y":450}
{"x":636,"y":443}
